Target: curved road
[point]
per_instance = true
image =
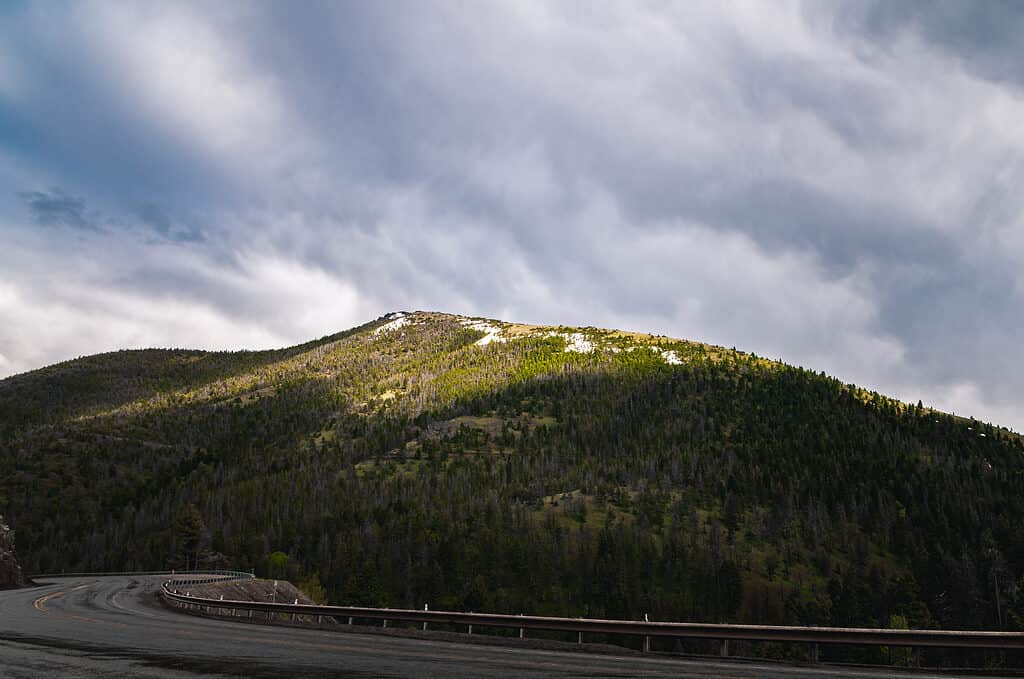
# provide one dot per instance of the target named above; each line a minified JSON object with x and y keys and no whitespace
{"x":115,"y":627}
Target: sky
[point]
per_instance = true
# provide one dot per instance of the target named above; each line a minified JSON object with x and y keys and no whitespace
{"x":833,"y":184}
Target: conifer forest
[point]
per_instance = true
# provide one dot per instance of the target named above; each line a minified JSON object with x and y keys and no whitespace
{"x":486,"y":466}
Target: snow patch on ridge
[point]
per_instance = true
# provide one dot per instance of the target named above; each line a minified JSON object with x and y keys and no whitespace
{"x":577,"y":342}
{"x":668,"y":355}
{"x":493,"y":332}
{"x":397,"y":320}
{"x":671,"y":357}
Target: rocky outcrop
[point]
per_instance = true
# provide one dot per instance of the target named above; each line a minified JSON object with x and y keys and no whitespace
{"x":10,"y":571}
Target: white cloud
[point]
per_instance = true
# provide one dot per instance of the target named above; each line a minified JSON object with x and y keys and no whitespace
{"x":256,"y":301}
{"x":188,"y":73}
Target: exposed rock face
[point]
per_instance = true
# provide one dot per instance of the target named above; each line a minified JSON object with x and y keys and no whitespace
{"x":10,"y":571}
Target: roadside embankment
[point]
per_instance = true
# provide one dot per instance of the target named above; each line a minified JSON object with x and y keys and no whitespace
{"x":276,"y":591}
{"x":272,"y":591}
{"x":10,"y":571}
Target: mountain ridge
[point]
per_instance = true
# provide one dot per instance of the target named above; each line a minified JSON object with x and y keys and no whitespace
{"x":484,"y":465}
{"x":492,"y":329}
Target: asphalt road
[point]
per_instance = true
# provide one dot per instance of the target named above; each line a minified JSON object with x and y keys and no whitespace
{"x":116,"y":627}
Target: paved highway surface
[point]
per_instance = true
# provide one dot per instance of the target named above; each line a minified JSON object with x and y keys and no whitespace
{"x":116,"y":627}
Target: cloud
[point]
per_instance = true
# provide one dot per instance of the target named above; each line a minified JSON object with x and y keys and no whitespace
{"x":170,"y":299}
{"x":56,"y":208}
{"x":832,"y":184}
{"x":153,"y":216}
{"x":984,"y":37}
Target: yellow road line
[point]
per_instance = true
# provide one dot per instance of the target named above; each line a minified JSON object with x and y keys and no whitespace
{"x":39,"y":605}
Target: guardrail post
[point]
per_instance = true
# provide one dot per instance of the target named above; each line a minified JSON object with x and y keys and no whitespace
{"x":350,"y":620}
{"x":470,"y":631}
{"x":385,"y":623}
{"x":425,"y":622}
{"x":647,"y":639}
{"x":522,"y":630}
{"x":579,"y":638}
{"x":725,"y":648}
{"x":814,"y":653}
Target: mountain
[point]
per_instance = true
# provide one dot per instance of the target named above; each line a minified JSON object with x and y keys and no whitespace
{"x":482,"y":465}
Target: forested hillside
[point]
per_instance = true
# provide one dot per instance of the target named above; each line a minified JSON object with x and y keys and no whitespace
{"x":495,"y":467}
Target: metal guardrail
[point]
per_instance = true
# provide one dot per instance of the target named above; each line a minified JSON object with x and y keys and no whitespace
{"x":86,"y":574}
{"x":194,"y":578}
{"x":723,"y":632}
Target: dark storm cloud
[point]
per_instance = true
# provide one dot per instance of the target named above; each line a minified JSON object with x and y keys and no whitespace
{"x":56,"y":208}
{"x":834,"y":184}
{"x":984,"y":36}
{"x":75,"y":112}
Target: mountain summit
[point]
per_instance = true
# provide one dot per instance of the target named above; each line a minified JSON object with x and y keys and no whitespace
{"x":484,"y":465}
